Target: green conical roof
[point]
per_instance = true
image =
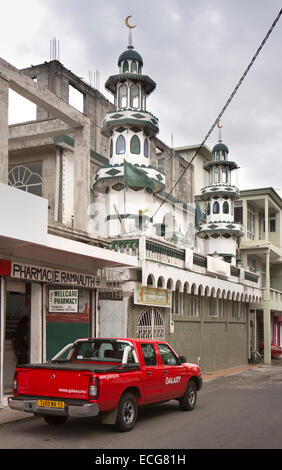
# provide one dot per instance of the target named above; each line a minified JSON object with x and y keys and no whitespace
{"x":130,"y":54}
{"x":220,"y":147}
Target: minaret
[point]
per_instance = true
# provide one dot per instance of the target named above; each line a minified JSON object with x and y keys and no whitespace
{"x":220,"y":232}
{"x":130,"y":127}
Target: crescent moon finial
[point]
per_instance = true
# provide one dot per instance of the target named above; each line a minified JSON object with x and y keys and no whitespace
{"x":127,"y":22}
{"x":220,"y":127}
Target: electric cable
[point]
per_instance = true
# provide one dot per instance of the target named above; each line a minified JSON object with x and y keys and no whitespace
{"x":224,"y":108}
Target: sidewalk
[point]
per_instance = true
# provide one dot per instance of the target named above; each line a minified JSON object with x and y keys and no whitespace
{"x":7,"y":415}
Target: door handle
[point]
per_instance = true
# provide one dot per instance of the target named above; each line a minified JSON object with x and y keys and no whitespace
{"x":166,"y":371}
{"x":149,"y":373}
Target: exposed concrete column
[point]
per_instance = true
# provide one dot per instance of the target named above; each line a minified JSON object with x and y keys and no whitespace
{"x":82,"y":177}
{"x":4,"y":101}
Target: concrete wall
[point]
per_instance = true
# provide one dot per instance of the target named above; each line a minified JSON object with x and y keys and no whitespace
{"x":217,"y":342}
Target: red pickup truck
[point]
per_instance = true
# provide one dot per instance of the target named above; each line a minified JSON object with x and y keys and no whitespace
{"x":107,"y":377}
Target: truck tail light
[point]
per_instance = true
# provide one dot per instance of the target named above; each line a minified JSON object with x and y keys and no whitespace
{"x":93,"y":388}
{"x":16,"y":376}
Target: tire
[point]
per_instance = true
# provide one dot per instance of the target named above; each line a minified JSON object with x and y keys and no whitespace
{"x":127,"y":412}
{"x":188,"y":401}
{"x":55,"y":420}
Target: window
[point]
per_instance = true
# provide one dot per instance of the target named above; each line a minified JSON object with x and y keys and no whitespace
{"x":225,"y":176}
{"x":143,"y":99}
{"x":167,"y":356}
{"x":100,"y":350}
{"x":238,"y":212}
{"x":133,"y":67}
{"x":213,"y":307}
{"x":208,"y":209}
{"x":225,"y":208}
{"x":27,"y":177}
{"x":251,"y":223}
{"x":122,"y":100}
{"x":125,"y":67}
{"x":149,"y":354}
{"x":215,"y":208}
{"x":194,"y":305}
{"x":146,"y":148}
{"x":120,"y":145}
{"x":151,"y":325}
{"x":216,"y":175}
{"x":135,"y":145}
{"x":134,"y":96}
{"x":236,"y":309}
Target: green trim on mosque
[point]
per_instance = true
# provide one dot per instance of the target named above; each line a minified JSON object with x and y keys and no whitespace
{"x":66,"y":139}
{"x":113,"y":80}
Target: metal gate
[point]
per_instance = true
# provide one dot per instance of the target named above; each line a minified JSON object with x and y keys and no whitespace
{"x":151,"y":325}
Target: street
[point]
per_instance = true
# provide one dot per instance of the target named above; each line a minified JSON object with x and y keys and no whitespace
{"x":241,"y":411}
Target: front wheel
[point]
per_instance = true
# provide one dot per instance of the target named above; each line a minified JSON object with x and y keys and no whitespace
{"x":188,"y":401}
{"x":127,"y":413}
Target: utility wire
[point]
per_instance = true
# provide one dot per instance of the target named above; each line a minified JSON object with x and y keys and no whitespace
{"x":224,"y":107}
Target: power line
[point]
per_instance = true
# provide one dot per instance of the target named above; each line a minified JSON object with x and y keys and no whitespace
{"x":224,"y":107}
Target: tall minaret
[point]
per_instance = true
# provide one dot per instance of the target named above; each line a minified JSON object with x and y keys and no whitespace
{"x":130,"y":128}
{"x":220,"y":232}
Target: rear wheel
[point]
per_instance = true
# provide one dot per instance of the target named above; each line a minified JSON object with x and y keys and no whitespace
{"x":188,"y":401}
{"x":127,"y":412}
{"x":55,"y":420}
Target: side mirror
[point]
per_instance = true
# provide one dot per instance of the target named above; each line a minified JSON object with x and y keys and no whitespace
{"x":181,"y":360}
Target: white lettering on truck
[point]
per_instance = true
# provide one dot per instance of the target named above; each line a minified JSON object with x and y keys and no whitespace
{"x":172,"y":380}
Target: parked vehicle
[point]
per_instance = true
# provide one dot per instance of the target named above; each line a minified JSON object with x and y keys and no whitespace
{"x":276,"y":350}
{"x":107,"y":377}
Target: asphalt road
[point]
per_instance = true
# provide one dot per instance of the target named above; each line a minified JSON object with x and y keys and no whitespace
{"x":241,"y":411}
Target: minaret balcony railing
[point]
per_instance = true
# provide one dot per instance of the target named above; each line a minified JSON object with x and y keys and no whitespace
{"x":221,"y":189}
{"x":231,"y":228}
{"x":130,"y":117}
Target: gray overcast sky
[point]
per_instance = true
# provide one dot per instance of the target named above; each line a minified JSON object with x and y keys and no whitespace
{"x":195,"y":51}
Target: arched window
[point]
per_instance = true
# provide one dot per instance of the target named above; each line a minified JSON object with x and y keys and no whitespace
{"x":122,"y":100}
{"x":215,"y":208}
{"x":216,"y":175}
{"x":225,"y":176}
{"x":225,"y":207}
{"x":125,"y":67}
{"x":135,"y":145}
{"x":143,"y":99}
{"x":134,"y":96}
{"x":208,"y":209}
{"x":146,"y":148}
{"x":133,"y":67}
{"x":27,"y":177}
{"x":120,"y":145}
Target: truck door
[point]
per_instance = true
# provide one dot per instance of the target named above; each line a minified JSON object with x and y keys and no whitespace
{"x":153,"y":374}
{"x":174,"y":377}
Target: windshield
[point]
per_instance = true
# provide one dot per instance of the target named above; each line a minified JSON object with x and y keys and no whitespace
{"x":101,"y":351}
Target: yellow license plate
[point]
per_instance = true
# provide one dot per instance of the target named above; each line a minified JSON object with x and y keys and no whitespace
{"x":50,"y":404}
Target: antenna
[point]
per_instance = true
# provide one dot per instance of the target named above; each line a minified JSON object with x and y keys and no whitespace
{"x":54,"y":49}
{"x":94,"y":79}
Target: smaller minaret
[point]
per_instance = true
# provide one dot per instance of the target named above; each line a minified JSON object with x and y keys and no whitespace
{"x":220,"y":232}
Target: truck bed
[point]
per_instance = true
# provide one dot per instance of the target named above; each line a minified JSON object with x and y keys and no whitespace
{"x":80,"y":366}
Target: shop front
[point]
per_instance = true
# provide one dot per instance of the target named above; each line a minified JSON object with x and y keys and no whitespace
{"x":59,"y":305}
